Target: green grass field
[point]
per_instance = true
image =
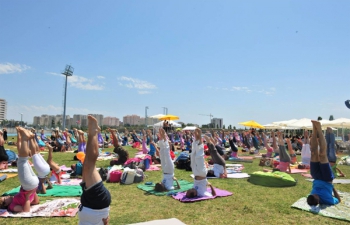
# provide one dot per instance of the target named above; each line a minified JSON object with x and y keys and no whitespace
{"x":249,"y":204}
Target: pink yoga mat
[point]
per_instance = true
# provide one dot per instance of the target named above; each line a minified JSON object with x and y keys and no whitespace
{"x":246,"y":157}
{"x":299,"y":170}
{"x":306,"y":175}
{"x":153,"y":168}
{"x":64,"y":168}
{"x":219,"y":193}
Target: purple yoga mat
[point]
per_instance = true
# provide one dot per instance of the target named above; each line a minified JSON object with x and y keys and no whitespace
{"x":219,"y":193}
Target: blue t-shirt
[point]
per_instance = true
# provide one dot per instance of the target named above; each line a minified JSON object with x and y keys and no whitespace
{"x":324,"y":190}
{"x":152,"y":150}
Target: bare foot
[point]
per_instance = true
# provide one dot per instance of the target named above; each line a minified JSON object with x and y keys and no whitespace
{"x":25,"y":134}
{"x":93,"y":127}
{"x":49,"y":147}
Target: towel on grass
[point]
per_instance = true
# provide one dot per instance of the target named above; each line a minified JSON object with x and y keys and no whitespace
{"x":336,"y":181}
{"x":219,"y":193}
{"x":153,"y":168}
{"x":9,"y":175}
{"x":57,"y":191}
{"x":184,"y":186}
{"x":172,"y":221}
{"x":58,"y":207}
{"x":340,"y":211}
{"x":230,"y":175}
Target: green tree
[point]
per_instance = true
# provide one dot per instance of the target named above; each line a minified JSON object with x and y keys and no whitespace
{"x":234,"y":127}
{"x":217,"y":126}
{"x":319,"y":118}
{"x":205,"y":126}
{"x":183,"y":125}
{"x":223,"y":126}
{"x":52,"y":123}
{"x":59,"y":123}
{"x":331,"y":118}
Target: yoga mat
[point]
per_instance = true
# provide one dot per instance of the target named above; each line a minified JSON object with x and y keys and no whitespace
{"x":56,"y":191}
{"x":64,"y":168}
{"x":233,"y":165}
{"x":69,"y":182}
{"x":9,"y":171}
{"x":219,"y":193}
{"x":230,"y":175}
{"x":62,"y":207}
{"x":185,"y":185}
{"x":306,"y":175}
{"x":340,"y":211}
{"x":240,"y":160}
{"x":172,"y":221}
{"x":299,"y":170}
{"x":153,"y":168}
{"x":9,"y":175}
{"x":336,"y":181}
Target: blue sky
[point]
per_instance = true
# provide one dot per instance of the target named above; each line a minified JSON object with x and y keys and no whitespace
{"x":238,"y":60}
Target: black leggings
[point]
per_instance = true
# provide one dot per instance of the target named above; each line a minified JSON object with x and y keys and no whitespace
{"x":217,"y":159}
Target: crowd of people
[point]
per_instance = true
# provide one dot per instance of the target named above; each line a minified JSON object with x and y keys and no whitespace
{"x":317,"y":153}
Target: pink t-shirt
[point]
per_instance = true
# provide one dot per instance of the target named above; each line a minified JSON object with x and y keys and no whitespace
{"x":20,"y":199}
{"x":283,"y":166}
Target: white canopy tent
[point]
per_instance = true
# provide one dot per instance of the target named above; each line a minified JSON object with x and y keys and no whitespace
{"x":285,"y":122}
{"x":189,"y":128}
{"x":173,"y":124}
{"x":339,"y":123}
{"x":273,"y":126}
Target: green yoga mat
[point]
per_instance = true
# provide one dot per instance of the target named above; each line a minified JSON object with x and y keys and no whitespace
{"x":57,"y":191}
{"x":185,"y":185}
{"x":340,"y":211}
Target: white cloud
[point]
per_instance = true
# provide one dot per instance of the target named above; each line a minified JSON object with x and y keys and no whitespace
{"x":143,"y":87}
{"x":100,"y":77}
{"x":7,"y":68}
{"x":82,"y":82}
{"x":144,"y":92}
{"x":136,"y":83}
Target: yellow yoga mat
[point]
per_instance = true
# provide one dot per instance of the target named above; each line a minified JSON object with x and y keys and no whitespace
{"x":9,"y":175}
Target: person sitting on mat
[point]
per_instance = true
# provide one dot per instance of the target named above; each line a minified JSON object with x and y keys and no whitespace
{"x":27,"y":196}
{"x":95,"y":199}
{"x":284,"y":164}
{"x":167,"y":183}
{"x":199,"y":170}
{"x":321,"y":171}
{"x":3,"y":155}
{"x":123,"y":155}
{"x":219,"y":167}
{"x":332,"y":158}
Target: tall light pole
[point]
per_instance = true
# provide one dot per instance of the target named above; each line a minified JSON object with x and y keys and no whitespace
{"x":67,"y":72}
{"x":21,"y":119}
{"x":165,"y":110}
{"x":146,"y":116}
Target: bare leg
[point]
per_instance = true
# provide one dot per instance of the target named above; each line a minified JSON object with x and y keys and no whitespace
{"x":115,"y":138}
{"x":81,"y":136}
{"x":265,"y":141}
{"x":90,"y":174}
{"x":306,"y":137}
{"x":274,"y":141}
{"x":314,"y":145}
{"x":52,"y":164}
{"x":25,"y":136}
{"x":322,"y":142}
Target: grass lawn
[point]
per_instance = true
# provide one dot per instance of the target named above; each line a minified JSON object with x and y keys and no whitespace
{"x":249,"y":204}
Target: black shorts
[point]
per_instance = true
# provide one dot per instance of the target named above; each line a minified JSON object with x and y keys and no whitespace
{"x":95,"y":197}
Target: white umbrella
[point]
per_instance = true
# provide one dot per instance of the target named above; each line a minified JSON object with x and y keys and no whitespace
{"x":189,"y":128}
{"x":285,"y":122}
{"x":273,"y":126}
{"x":304,"y":123}
{"x":339,"y":123}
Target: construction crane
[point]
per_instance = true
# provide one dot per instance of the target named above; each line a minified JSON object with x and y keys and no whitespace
{"x":210,"y":116}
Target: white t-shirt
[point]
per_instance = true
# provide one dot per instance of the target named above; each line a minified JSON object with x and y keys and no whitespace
{"x":218,"y":169}
{"x":168,"y":181}
{"x":201,"y":187}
